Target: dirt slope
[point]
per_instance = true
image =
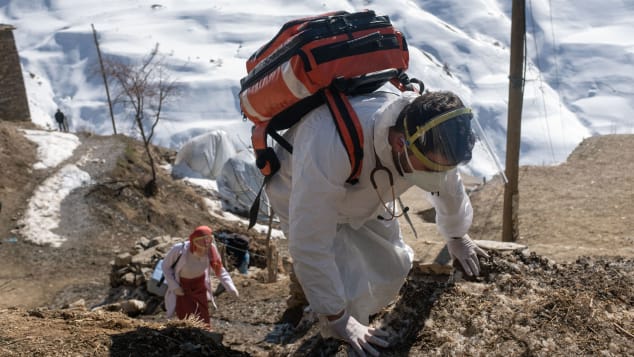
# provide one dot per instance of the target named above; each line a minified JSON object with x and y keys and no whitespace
{"x":99,"y":221}
{"x":546,"y":300}
{"x":584,"y":206}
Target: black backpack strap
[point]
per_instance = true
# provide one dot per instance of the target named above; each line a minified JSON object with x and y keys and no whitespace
{"x":255,"y":207}
{"x":280,"y":140}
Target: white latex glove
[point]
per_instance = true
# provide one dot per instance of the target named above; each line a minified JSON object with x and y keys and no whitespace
{"x":179,"y":291}
{"x":466,"y":251}
{"x":360,"y":337}
{"x":235,"y":293}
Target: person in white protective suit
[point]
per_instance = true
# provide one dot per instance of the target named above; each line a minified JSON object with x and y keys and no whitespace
{"x":347,"y":249}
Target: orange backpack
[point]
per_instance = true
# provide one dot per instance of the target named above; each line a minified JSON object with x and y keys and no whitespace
{"x":317,"y":60}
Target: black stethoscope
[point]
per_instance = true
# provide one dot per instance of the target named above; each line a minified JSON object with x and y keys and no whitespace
{"x":392,"y":211}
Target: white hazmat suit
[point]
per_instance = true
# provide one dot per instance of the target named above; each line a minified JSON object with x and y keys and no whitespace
{"x":344,"y":255}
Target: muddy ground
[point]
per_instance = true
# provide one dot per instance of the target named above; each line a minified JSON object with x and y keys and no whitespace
{"x":571,"y":292}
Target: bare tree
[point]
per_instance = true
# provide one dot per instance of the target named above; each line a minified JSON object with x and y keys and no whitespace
{"x":143,"y":89}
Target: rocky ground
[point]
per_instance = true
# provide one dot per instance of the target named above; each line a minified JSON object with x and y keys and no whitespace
{"x":570,"y":292}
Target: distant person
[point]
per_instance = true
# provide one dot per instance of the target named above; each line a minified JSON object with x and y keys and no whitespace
{"x":187,"y":267}
{"x":60,"y":118}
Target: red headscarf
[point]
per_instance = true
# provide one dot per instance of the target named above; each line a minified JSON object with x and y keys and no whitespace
{"x":215,"y":261}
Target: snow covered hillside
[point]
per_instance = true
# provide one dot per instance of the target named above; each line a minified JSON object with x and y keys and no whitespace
{"x":579,"y":71}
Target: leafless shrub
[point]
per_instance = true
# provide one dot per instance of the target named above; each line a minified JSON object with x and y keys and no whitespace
{"x":142,"y":89}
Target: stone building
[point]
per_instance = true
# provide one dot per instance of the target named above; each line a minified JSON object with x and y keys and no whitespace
{"x":14,"y":105}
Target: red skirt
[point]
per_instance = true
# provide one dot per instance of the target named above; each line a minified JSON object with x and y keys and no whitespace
{"x":194,"y":302}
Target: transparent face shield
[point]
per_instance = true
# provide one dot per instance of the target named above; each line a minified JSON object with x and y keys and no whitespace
{"x":447,"y":141}
{"x":485,"y":162}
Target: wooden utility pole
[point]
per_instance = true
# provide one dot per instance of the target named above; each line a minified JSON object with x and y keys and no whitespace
{"x":103,"y":75}
{"x":510,"y":230}
{"x":271,"y":252}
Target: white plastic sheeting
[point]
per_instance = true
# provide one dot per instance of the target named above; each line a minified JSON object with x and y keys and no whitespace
{"x":204,"y":155}
{"x":228,"y":160}
{"x":239,"y":183}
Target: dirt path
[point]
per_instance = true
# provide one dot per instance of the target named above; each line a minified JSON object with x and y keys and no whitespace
{"x":99,"y":221}
{"x":38,"y":275}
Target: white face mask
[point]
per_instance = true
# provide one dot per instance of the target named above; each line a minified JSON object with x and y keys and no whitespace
{"x":426,"y":180}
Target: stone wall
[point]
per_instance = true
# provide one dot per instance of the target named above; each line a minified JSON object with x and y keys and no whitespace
{"x":13,"y":101}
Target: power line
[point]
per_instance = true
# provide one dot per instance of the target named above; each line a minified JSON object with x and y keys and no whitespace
{"x":557,"y":77}
{"x":541,"y":80}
